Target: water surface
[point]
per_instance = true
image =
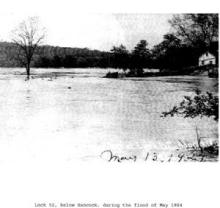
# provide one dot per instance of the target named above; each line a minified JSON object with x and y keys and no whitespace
{"x":67,"y":114}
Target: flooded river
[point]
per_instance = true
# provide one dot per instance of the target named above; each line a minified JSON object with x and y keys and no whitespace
{"x":68,"y":114}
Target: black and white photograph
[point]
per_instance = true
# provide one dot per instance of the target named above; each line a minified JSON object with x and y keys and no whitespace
{"x":117,"y":88}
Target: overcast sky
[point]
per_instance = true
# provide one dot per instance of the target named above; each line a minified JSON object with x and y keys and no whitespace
{"x":87,"y":29}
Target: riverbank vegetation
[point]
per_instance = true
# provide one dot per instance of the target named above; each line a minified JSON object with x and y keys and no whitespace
{"x":178,"y":53}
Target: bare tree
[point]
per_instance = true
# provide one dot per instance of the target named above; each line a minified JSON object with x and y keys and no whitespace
{"x":27,"y":37}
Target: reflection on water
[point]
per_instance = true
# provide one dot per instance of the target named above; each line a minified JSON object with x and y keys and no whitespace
{"x":79,"y":114}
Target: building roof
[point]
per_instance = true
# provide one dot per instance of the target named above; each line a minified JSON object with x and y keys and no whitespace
{"x":207,"y":55}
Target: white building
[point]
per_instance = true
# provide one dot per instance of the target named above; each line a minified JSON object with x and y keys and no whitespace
{"x":207,"y":59}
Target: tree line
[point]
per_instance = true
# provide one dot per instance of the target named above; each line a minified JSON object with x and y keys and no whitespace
{"x":191,"y":35}
{"x":51,"y":56}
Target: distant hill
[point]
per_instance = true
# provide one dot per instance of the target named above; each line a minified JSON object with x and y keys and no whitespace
{"x":7,"y":50}
{"x":51,"y":56}
{"x":170,"y":58}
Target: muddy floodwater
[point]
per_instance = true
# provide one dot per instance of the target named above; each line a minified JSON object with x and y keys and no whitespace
{"x":75,"y":114}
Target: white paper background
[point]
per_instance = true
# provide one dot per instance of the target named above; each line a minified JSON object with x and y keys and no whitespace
{"x":193,"y":184}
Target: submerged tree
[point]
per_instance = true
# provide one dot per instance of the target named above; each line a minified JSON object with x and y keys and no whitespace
{"x":200,"y":105}
{"x":27,"y":37}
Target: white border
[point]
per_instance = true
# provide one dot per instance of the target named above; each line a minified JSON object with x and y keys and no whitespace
{"x":196,"y":185}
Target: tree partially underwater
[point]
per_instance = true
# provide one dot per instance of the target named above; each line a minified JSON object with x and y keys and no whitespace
{"x":199,"y":105}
